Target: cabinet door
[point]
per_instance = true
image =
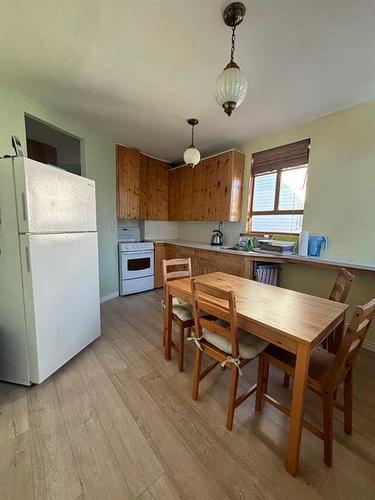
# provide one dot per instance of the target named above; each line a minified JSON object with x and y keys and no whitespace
{"x":181,"y":252}
{"x":231,"y":264}
{"x":185,"y":199}
{"x":176,"y":206}
{"x":127,"y":183}
{"x":143,"y":186}
{"x":157,"y":189}
{"x":220,"y":186}
{"x":160,"y":252}
{"x":199,"y":190}
{"x":206,"y":262}
{"x":237,"y":186}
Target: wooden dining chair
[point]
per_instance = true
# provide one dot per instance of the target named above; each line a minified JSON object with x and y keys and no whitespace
{"x":218,"y":336}
{"x":339,"y":293}
{"x":341,"y":286}
{"x":326,"y":373}
{"x":182,"y":312}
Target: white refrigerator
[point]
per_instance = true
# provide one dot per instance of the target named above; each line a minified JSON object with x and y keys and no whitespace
{"x":49,"y":278}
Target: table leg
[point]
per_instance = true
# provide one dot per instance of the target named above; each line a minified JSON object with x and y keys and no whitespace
{"x":167,"y":324}
{"x":296,"y":414}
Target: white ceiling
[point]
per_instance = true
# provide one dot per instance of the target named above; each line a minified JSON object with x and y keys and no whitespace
{"x":137,"y":69}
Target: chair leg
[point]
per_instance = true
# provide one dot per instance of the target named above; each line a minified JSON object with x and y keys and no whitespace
{"x":348,"y":402}
{"x":181,"y":353}
{"x":262,"y":382}
{"x":328,"y":427}
{"x":286,"y":380}
{"x":197,"y":373}
{"x":232,"y":398}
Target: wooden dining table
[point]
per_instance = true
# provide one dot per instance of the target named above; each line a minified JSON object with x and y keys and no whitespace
{"x":292,"y":320}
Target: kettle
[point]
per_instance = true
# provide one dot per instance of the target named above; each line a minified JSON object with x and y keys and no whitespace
{"x":217,"y":237}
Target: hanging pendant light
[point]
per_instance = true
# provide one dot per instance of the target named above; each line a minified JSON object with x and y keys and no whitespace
{"x":192,"y":155}
{"x":231,"y":85}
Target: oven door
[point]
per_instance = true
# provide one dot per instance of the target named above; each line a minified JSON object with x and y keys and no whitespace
{"x":137,"y":264}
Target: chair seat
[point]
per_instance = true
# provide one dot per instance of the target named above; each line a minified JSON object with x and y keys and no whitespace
{"x":182,"y":310}
{"x":320,"y":360}
{"x":249,"y":345}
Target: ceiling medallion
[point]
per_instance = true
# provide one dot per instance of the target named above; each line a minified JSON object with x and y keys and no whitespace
{"x":191,"y":154}
{"x":231,"y":85}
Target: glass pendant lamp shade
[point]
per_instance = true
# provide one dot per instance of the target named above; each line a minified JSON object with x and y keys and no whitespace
{"x":231,"y":88}
{"x":231,"y":85}
{"x":192,"y":156}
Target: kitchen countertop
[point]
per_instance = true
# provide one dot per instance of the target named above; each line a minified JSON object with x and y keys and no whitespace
{"x":319,"y":261}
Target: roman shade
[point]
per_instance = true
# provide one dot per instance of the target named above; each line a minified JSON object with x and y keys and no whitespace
{"x":290,"y":155}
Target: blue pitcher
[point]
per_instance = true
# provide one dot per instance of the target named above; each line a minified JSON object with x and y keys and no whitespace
{"x":317,"y":242}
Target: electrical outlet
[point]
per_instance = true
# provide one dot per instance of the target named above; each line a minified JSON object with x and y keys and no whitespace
{"x":110,"y":223}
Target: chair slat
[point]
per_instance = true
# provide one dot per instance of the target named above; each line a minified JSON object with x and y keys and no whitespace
{"x":215,"y":328}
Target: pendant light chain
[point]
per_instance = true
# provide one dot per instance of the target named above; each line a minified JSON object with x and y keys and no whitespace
{"x":233,"y":44}
{"x":192,"y":135}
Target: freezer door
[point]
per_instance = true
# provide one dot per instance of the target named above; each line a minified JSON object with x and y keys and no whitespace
{"x":51,"y":200}
{"x":61,"y":290}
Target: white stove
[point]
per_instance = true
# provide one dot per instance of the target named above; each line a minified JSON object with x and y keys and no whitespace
{"x":136,"y":263}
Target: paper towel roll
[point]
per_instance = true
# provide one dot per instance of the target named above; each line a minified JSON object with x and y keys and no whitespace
{"x":303,"y":243}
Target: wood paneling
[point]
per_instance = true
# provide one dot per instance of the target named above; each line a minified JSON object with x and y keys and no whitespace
{"x":237,"y":186}
{"x":157,"y":189}
{"x":128,"y":206}
{"x":142,"y":186}
{"x":212,"y":191}
{"x":159,"y":256}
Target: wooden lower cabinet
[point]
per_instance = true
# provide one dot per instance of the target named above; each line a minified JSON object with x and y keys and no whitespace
{"x":159,"y":256}
{"x":203,"y":261}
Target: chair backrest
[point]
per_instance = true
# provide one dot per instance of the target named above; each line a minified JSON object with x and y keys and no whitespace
{"x":220,"y":304}
{"x":342,"y":286}
{"x":174,"y":269}
{"x":350,"y":344}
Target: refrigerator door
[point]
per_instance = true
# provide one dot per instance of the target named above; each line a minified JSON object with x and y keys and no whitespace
{"x":51,"y":200}
{"x":61,"y":293}
{"x":14,"y":364}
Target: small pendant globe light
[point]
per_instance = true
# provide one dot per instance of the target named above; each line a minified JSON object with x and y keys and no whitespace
{"x":231,"y":85}
{"x":192,"y":155}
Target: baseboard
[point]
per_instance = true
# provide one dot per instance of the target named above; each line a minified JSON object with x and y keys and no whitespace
{"x":369,"y":345}
{"x":111,"y":296}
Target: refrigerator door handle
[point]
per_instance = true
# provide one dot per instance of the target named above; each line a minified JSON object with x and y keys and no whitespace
{"x":27,"y":258}
{"x":23,"y":196}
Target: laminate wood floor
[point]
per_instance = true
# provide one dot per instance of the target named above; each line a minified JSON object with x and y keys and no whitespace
{"x":118,"y":422}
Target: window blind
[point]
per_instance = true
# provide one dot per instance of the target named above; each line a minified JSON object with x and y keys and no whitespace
{"x":289,"y":155}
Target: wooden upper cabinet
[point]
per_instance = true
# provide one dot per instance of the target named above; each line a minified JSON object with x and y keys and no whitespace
{"x":142,"y":186}
{"x":127,"y":202}
{"x":212,"y":191}
{"x":148,"y":189}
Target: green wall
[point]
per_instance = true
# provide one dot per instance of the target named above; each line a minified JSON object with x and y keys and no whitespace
{"x":98,"y":164}
{"x":340,"y":197}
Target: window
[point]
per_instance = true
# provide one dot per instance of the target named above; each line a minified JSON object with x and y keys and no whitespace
{"x":278,"y":189}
